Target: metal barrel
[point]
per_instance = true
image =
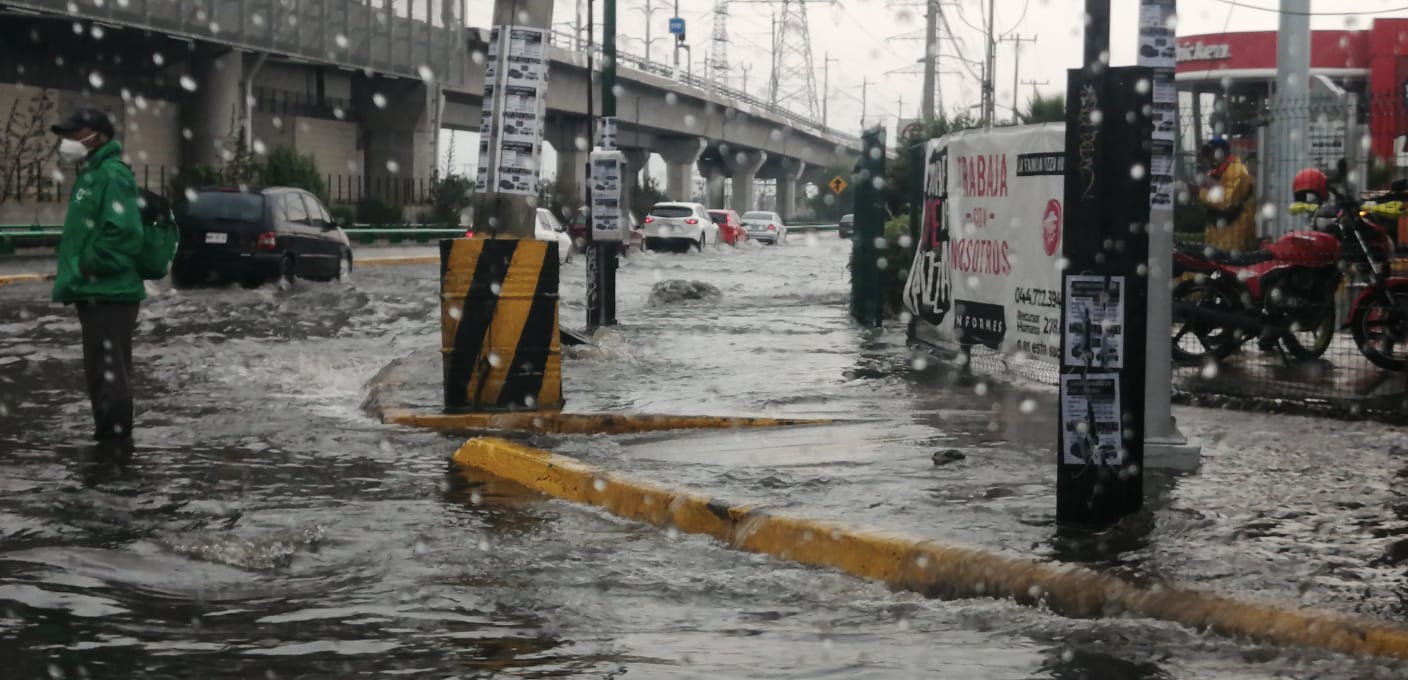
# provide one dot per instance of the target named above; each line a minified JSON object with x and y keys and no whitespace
{"x":498,"y":323}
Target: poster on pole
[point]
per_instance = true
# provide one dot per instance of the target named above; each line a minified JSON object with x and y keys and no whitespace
{"x":986,"y":270}
{"x":1090,"y":419}
{"x":1094,"y":321}
{"x":515,"y":101}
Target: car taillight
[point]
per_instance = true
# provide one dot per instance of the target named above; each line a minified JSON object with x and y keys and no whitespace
{"x":772,"y":227}
{"x":649,"y":219}
{"x":266,"y":241}
{"x":691,"y":221}
{"x":469,"y":234}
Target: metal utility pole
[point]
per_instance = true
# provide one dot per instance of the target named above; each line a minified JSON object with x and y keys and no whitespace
{"x":601,"y":256}
{"x":1016,"y":67}
{"x":1290,"y":106}
{"x":931,"y":55}
{"x":772,"y":78}
{"x":864,"y":86}
{"x":679,"y":39}
{"x":1034,"y":84}
{"x":826,"y":86}
{"x":500,"y":211}
{"x":648,"y":9}
{"x":990,"y":68}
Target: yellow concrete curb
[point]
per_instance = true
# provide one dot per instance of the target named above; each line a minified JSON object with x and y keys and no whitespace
{"x":556,"y":422}
{"x":7,"y":279}
{"x":927,"y":566}
{"x":396,"y":261}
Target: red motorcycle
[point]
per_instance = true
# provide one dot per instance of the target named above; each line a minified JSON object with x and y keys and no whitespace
{"x":1284,"y":294}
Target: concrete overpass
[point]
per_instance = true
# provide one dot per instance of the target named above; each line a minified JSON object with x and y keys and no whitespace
{"x":366,"y":85}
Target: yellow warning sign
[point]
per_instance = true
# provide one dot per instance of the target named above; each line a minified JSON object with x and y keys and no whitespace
{"x":837,"y":184}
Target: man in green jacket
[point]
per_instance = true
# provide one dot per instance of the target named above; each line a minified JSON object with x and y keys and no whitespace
{"x":97,"y":275}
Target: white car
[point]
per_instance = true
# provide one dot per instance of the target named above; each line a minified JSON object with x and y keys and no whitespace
{"x":550,"y":229}
{"x":678,"y":226}
{"x":764,"y":226}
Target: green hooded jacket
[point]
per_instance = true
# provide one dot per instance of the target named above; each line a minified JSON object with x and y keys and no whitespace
{"x":102,"y":233}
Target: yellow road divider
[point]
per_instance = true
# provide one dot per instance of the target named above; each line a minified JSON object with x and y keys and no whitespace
{"x":927,"y":566}
{"x":7,"y":279}
{"x":556,"y":422}
{"x":397,"y":261}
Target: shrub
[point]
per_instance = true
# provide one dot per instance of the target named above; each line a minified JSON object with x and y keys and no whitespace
{"x":899,"y":257}
{"x":286,"y":168}
{"x":343,"y":213}
{"x":379,"y":212}
{"x":449,"y":196}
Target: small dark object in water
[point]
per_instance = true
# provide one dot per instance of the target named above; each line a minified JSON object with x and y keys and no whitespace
{"x":678,"y":290}
{"x":948,"y":456}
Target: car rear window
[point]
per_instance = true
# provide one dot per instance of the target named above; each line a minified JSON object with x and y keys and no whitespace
{"x":672,"y":211}
{"x":762,"y":216}
{"x":227,"y":207}
{"x":719,"y":218}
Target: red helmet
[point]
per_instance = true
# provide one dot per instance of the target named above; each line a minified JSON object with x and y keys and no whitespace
{"x":1310,"y":186}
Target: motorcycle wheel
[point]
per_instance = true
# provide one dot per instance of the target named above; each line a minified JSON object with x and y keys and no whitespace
{"x":1310,"y":343}
{"x":1210,"y":339}
{"x":1380,"y":328}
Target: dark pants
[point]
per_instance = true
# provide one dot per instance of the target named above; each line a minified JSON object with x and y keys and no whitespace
{"x":107,"y":366}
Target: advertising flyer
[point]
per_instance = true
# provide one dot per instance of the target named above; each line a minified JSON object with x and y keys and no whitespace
{"x":1090,"y":419}
{"x":607,"y":195}
{"x":985,"y":272}
{"x":1095,"y":321}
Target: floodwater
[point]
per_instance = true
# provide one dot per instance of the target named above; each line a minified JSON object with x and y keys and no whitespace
{"x":268,"y":527}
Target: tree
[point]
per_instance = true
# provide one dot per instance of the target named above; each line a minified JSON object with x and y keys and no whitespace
{"x":449,"y":196}
{"x":646,"y":196}
{"x":287,"y":168}
{"x":24,"y":149}
{"x":1044,"y":110}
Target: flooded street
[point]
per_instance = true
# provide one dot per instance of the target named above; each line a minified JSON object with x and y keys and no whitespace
{"x":269,"y":527}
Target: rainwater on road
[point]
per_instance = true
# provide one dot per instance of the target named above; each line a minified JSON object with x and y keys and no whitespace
{"x":268,"y":527}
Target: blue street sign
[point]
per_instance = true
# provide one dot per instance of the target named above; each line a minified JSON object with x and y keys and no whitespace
{"x":676,"y":25}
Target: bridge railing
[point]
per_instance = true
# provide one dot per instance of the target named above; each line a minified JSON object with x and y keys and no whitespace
{"x":639,"y":63}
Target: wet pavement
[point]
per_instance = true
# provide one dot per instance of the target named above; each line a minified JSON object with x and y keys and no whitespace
{"x":268,"y":527}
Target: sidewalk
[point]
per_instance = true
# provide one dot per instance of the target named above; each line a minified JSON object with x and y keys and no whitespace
{"x":41,"y":263}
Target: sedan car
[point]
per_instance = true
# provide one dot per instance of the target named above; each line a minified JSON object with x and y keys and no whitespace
{"x":678,"y":226}
{"x":254,"y":235}
{"x":847,"y":225}
{"x":550,"y":229}
{"x":730,"y":227}
{"x":765,"y":226}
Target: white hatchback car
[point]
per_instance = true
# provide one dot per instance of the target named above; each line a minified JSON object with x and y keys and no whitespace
{"x":678,"y":226}
{"x":765,"y":227}
{"x":550,"y":229}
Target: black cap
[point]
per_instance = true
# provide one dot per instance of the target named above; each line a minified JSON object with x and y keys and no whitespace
{"x":90,"y":118}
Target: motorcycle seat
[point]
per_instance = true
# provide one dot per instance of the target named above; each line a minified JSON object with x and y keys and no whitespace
{"x":1230,"y":258}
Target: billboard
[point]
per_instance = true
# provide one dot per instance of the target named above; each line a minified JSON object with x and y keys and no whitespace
{"x":986,"y":266}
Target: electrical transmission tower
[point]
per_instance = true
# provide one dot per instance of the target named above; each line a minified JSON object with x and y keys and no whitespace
{"x":793,"y":73}
{"x":719,"y":69}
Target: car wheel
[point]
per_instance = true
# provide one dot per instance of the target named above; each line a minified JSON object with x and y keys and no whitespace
{"x":344,"y":266}
{"x":184,"y":278}
{"x":699,"y":245}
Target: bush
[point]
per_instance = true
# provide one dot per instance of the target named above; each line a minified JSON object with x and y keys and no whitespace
{"x":899,"y":257}
{"x":379,"y":212}
{"x":449,"y":196}
{"x":343,"y":213}
{"x":286,"y":168}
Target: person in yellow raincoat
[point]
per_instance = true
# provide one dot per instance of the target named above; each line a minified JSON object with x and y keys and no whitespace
{"x":1229,"y":194}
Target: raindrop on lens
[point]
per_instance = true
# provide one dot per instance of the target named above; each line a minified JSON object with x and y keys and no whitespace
{"x":495,"y":360}
{"x":1027,"y":406}
{"x":475,"y":498}
{"x":97,"y":32}
{"x":259,"y":147}
{"x":426,"y":74}
{"x":599,"y":484}
{"x":342,"y":43}
{"x":96,"y":80}
{"x":188,"y":83}
{"x":393,"y":167}
{"x":379,"y":100}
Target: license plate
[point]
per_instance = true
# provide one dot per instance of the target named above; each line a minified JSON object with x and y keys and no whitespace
{"x":216,"y":237}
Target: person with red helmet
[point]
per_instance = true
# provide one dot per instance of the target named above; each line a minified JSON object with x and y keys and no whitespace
{"x":1310,"y":186}
{"x":1229,"y":195}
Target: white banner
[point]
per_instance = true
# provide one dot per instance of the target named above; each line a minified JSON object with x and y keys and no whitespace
{"x":985,"y":269}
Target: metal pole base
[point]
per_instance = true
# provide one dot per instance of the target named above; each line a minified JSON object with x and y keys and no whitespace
{"x":1172,"y":452}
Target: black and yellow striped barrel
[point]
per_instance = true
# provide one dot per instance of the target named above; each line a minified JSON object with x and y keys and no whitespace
{"x":498,"y":322}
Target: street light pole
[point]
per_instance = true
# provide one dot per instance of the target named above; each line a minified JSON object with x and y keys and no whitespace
{"x":601,"y":257}
{"x":826,"y":86}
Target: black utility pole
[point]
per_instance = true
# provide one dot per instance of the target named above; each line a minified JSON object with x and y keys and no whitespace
{"x":1100,"y":440}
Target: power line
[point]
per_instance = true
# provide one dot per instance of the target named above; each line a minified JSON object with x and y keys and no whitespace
{"x":1277,"y":10}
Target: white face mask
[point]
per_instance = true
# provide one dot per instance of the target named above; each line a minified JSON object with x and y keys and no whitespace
{"x":73,"y":151}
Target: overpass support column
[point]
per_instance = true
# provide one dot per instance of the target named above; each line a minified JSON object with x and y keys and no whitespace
{"x":571,"y":138}
{"x":786,"y":198}
{"x":744,"y":166}
{"x":680,"y":155}
{"x":714,"y":181}
{"x":635,"y":162}
{"x":213,"y":113}
{"x":400,"y":137}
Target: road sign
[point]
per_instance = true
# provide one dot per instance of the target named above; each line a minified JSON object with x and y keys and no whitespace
{"x":837,"y":184}
{"x":676,"y":26}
